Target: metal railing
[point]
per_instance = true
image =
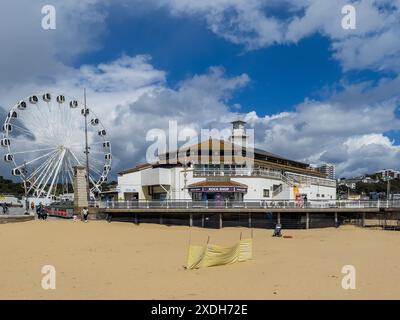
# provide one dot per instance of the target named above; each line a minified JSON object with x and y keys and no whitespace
{"x":274,"y":174}
{"x":256,"y":204}
{"x":309,"y":180}
{"x":288,"y":177}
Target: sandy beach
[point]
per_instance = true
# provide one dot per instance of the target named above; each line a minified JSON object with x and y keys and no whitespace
{"x":101,"y":260}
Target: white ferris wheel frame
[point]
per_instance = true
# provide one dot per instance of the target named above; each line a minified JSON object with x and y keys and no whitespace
{"x":41,"y":182}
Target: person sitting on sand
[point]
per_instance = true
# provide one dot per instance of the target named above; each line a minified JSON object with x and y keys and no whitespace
{"x":85,"y":213}
{"x":278,"y":230}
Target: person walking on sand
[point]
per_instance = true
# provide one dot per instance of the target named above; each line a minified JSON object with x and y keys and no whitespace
{"x":44,"y":213}
{"x":5,"y":208}
{"x":85,"y":213}
{"x":32,"y":206}
{"x":39,"y":210}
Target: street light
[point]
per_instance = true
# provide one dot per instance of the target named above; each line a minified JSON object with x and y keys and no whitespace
{"x":387,"y":179}
{"x":86,"y":147}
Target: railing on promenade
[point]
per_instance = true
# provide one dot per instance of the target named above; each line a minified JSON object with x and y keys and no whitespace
{"x":274,"y":174}
{"x":250,"y":204}
{"x":288,"y":177}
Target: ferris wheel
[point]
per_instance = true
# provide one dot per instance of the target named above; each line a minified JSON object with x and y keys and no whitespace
{"x":44,"y":139}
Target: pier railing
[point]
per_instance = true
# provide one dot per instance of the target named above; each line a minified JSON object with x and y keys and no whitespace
{"x":265,"y":173}
{"x":248,"y":204}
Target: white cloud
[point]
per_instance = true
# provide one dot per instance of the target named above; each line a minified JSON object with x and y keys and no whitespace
{"x":347,"y":129}
{"x":131,"y":97}
{"x":29,"y":52}
{"x":255,"y":24}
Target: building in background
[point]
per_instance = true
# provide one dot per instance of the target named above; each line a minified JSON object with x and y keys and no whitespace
{"x":328,"y":170}
{"x":395,"y":174}
{"x":208,"y":174}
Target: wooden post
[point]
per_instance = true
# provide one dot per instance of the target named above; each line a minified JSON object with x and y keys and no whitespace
{"x":249,"y":219}
{"x":191,"y":220}
{"x":307,"y":220}
{"x":220,"y":220}
{"x":202,"y":220}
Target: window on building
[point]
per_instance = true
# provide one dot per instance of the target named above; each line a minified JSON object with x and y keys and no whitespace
{"x":266,"y":193}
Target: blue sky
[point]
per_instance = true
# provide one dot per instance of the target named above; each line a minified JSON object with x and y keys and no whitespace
{"x":184,"y":47}
{"x":311,"y":90}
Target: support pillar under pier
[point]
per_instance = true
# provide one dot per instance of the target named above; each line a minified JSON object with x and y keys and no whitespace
{"x":249,"y":220}
{"x":336,"y":220}
{"x":363,"y":219}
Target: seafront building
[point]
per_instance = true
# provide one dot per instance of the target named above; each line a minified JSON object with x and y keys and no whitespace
{"x":395,"y":174}
{"x":205,"y":174}
{"x":328,"y":170}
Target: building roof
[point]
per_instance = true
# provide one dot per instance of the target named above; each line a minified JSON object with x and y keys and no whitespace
{"x":229,"y":146}
{"x":238,"y":121}
{"x":275,"y":156}
{"x":139,"y":167}
{"x":208,"y":183}
{"x":261,"y":157}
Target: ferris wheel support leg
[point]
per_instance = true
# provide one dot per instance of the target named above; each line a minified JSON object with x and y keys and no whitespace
{"x":94,"y":184}
{"x":56,"y":173}
{"x":43,"y":181}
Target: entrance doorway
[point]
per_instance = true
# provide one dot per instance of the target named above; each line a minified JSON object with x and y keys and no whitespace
{"x":131,"y":196}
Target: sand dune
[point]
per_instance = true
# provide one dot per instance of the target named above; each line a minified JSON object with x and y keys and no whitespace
{"x":101,"y":260}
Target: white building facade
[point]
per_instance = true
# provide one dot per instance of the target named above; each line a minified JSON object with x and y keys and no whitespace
{"x":268,"y":177}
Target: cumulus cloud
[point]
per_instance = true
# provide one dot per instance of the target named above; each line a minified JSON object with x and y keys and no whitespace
{"x":255,"y":24}
{"x":347,"y":129}
{"x":30,"y":53}
{"x":131,"y":97}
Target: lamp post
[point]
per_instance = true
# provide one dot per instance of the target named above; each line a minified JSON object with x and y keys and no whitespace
{"x":85,"y":113}
{"x":387,"y":179}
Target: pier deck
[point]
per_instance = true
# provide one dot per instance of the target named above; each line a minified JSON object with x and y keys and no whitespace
{"x":238,"y":210}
